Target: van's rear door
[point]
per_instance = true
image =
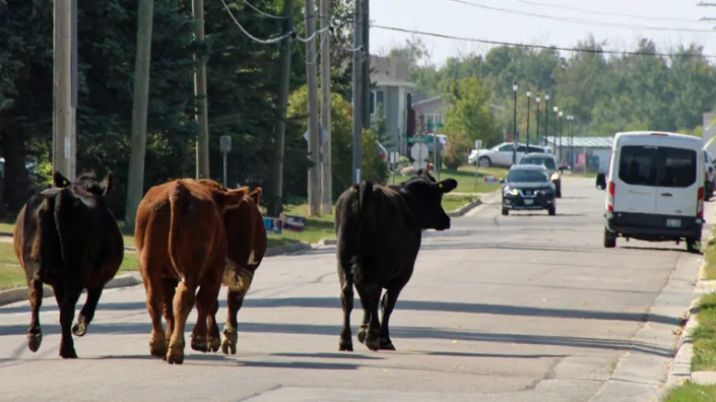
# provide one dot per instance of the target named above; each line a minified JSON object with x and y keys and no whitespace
{"x":678,"y":181}
{"x":634,"y":185}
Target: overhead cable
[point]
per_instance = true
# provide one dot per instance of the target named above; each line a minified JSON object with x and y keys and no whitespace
{"x":268,"y":41}
{"x":263,"y":13}
{"x":581,"y":21}
{"x":549,"y":47}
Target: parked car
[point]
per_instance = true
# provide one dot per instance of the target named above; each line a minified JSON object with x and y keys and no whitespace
{"x":709,"y":175}
{"x":549,"y":162}
{"x":655,"y":190}
{"x":527,"y":187}
{"x":501,"y":155}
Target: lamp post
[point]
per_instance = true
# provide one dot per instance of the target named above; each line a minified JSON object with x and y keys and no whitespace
{"x":554,"y":136}
{"x":561,"y":155}
{"x":529,"y":97}
{"x":570,"y":133}
{"x":537,"y":99}
{"x":515,"y":137}
{"x":546,"y":118}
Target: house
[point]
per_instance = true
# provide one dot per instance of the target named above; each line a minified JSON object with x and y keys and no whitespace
{"x":391,"y":98}
{"x":429,"y":114}
{"x":596,"y":150}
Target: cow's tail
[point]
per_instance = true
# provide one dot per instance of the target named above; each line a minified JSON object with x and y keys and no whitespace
{"x":363,"y":224}
{"x":177,"y":203}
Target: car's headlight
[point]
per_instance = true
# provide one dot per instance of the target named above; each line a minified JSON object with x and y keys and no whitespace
{"x":555,"y":176}
{"x":511,"y":191}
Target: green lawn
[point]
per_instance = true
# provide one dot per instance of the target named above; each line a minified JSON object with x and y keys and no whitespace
{"x":468,"y":181}
{"x":704,"y":335}
{"x":690,"y":392}
{"x":710,"y":258}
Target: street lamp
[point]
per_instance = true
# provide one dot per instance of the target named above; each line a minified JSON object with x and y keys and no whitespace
{"x":570,"y":132}
{"x":546,"y":118}
{"x":556,"y":123}
{"x":515,"y":137}
{"x":561,"y":155}
{"x":529,"y":97}
{"x":537,"y":99}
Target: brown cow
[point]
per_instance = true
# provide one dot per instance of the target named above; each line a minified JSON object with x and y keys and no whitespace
{"x":246,"y":248}
{"x":181,"y":245}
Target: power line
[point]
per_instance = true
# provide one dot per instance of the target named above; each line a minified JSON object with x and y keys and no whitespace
{"x":605,"y":13}
{"x":580,"y":21}
{"x":268,"y":41}
{"x":263,"y":13}
{"x":549,"y":47}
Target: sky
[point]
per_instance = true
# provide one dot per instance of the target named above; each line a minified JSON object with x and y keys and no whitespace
{"x":618,"y":23}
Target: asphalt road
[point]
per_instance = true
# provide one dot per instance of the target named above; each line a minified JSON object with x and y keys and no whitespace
{"x":520,"y":308}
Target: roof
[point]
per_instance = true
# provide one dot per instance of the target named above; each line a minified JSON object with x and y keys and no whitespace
{"x":582,"y":142}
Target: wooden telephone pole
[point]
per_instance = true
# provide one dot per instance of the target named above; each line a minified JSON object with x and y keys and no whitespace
{"x":326,"y":170}
{"x":135,"y":186}
{"x":64,"y":130}
{"x":202,"y":109}
{"x":314,"y":144}
{"x":357,"y":88}
{"x":274,"y":207}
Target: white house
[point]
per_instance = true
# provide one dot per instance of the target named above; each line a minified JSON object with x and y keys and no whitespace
{"x":392,"y":94}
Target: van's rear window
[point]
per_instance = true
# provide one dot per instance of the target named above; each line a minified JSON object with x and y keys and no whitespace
{"x":657,"y":166}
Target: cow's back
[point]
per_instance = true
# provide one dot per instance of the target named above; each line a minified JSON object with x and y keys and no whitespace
{"x":178,"y":229}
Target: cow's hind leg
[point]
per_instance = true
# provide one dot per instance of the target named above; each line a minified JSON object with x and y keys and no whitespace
{"x":169,"y":286}
{"x":235,"y":299}
{"x":363,"y":331}
{"x":87,"y":313}
{"x":387,"y":305}
{"x":370,"y":297}
{"x":66,"y":297}
{"x":155,"y":299}
{"x":346,"y":343}
{"x":206,"y":300}
{"x":34,"y":333}
{"x":213,"y":339}
{"x":182,"y":304}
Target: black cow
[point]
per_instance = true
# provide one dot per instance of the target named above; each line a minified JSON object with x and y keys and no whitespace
{"x":66,"y":236}
{"x":379,"y":231}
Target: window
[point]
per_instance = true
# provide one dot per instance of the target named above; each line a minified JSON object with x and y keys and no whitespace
{"x":506,"y":148}
{"x":546,"y":162}
{"x":372,"y":103}
{"x":526,"y":176}
{"x":652,"y":166}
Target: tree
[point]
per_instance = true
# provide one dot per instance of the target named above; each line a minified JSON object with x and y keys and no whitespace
{"x":469,"y":116}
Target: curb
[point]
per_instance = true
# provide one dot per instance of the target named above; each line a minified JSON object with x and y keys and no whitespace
{"x":131,"y":278}
{"x":465,"y":208}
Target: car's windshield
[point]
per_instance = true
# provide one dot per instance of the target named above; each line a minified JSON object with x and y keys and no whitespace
{"x":523,"y":175}
{"x":547,"y":162}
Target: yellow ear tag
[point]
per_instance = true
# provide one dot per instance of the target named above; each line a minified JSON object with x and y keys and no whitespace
{"x":440,"y":186}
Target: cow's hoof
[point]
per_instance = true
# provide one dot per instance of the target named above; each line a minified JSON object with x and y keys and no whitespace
{"x":158,"y":348}
{"x":214,"y":343}
{"x":362,"y":332}
{"x":34,"y":341}
{"x":386,"y":344}
{"x":68,"y":353}
{"x":175,"y":354}
{"x":372,"y":342}
{"x":199,"y":344}
{"x":228,"y":345}
{"x":79,"y":329}
{"x":345,"y":346}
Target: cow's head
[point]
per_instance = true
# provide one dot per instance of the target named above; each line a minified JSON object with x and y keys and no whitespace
{"x":425,"y":199}
{"x":86,"y":181}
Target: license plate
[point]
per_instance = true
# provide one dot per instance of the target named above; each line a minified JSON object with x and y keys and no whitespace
{"x":529,"y":202}
{"x":673,"y":223}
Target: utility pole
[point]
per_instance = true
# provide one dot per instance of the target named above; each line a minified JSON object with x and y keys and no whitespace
{"x":202,"y":109}
{"x":275,"y":203}
{"x":357,"y":88}
{"x":64,"y":130}
{"x":326,"y":170}
{"x":135,"y":186}
{"x":314,"y":143}
{"x":365,"y":69}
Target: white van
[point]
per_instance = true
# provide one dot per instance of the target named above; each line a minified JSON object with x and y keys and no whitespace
{"x":655,"y":189}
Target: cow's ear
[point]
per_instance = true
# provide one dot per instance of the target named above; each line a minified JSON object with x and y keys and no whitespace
{"x":256,"y":195}
{"x":58,"y":180}
{"x":107,"y":184}
{"x":50,"y":192}
{"x":447,"y":185}
{"x":231,"y":199}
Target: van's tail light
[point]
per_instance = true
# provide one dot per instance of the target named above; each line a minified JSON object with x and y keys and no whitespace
{"x":612,"y":193}
{"x":700,"y":203}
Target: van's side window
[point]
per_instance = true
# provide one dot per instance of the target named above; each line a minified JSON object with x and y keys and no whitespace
{"x":637,"y":165}
{"x":677,"y":167}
